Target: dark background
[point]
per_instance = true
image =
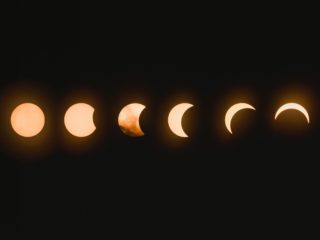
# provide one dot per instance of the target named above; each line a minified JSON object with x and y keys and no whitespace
{"x":54,"y":182}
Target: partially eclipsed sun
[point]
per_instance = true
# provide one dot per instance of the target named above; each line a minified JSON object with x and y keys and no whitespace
{"x":232,"y":111}
{"x":293,"y":106}
{"x":129,"y":119}
{"x":175,"y":119}
{"x":79,"y":120}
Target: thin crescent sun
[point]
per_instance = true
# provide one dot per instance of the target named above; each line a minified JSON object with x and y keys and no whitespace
{"x":175,"y":118}
{"x":293,"y":106}
{"x":232,"y":111}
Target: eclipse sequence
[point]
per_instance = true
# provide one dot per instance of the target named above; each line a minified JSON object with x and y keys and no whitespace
{"x":28,"y":120}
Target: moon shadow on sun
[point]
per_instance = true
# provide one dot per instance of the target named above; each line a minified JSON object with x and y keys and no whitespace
{"x":292,"y":106}
{"x":175,"y":119}
{"x":79,"y":120}
{"x":232,"y":111}
{"x":128,"y":120}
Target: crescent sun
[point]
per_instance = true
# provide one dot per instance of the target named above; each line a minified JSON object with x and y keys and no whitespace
{"x":175,"y":119}
{"x":232,"y":111}
{"x":293,"y":106}
{"x":128,"y":119}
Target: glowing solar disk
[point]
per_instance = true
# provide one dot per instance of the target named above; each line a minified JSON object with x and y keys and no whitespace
{"x":27,"y":120}
{"x":79,"y":120}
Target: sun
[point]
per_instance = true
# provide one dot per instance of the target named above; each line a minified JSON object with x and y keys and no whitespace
{"x":79,"y":120}
{"x":27,"y":120}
